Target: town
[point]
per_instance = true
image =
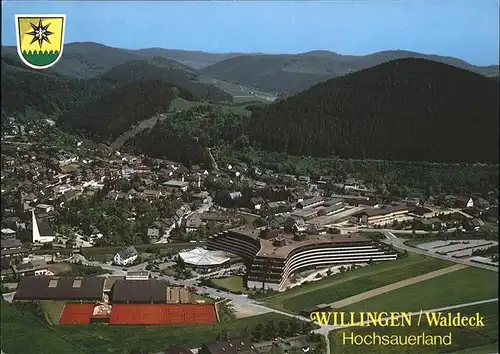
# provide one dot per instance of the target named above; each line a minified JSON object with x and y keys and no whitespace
{"x":182,"y":178}
{"x":119,"y":239}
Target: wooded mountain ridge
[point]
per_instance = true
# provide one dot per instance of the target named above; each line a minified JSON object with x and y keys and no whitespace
{"x":51,"y":93}
{"x":406,"y":109}
{"x":401,"y":110}
{"x":280,"y":73}
{"x":292,"y":73}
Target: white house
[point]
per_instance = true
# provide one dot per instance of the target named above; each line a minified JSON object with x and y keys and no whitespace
{"x":174,"y":186}
{"x":45,"y":208}
{"x":33,"y":267}
{"x":126,"y":256}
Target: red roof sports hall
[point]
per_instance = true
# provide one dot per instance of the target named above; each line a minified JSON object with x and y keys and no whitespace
{"x":117,"y":301}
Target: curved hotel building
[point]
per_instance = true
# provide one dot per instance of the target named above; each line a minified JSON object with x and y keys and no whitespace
{"x":273,"y":256}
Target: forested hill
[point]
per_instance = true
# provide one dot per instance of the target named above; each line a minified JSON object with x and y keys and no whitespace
{"x":105,"y":118}
{"x":292,"y":73}
{"x":166,"y":70}
{"x":407,"y":109}
{"x":24,"y":89}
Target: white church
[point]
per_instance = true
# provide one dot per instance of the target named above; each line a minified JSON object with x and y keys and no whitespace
{"x":41,"y":231}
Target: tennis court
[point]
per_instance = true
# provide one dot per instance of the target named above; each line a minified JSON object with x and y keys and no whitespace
{"x":163,"y":314}
{"x":76,"y":314}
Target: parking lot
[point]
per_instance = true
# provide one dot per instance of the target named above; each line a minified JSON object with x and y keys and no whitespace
{"x":457,"y":248}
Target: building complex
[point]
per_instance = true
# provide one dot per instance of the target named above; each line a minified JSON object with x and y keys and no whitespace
{"x":272,"y":256}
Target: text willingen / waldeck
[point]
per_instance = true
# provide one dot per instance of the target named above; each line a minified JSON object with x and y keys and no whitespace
{"x":395,"y":319}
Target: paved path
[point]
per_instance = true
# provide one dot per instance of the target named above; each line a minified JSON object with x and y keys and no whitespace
{"x":400,"y":284}
{"x":327,"y":328}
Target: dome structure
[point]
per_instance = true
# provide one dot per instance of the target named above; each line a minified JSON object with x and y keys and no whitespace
{"x":200,"y":257}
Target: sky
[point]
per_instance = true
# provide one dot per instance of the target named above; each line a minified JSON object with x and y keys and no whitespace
{"x":468,"y":30}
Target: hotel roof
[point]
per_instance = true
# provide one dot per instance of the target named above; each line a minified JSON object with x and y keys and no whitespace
{"x":267,"y":249}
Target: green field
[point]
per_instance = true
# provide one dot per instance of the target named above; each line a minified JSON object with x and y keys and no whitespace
{"x":234,"y":283}
{"x":235,"y":90}
{"x":22,"y":332}
{"x":225,"y":314}
{"x":463,"y":286}
{"x":180,"y":104}
{"x":53,"y":310}
{"x":464,"y":340}
{"x":341,"y":286}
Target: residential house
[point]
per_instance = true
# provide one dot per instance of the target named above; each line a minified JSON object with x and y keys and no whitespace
{"x":429,"y":224}
{"x":464,"y":202}
{"x":126,"y":256}
{"x":34,"y":267}
{"x":65,"y":159}
{"x":304,"y":179}
{"x":293,"y":345}
{"x":174,"y":186}
{"x":127,"y":171}
{"x":352,"y":184}
{"x":179,"y":214}
{"x":481,"y":203}
{"x":310,"y":202}
{"x":8,"y":233}
{"x":422,"y":212}
{"x":472,"y":224}
{"x":260,"y":185}
{"x":152,"y":194}
{"x":14,"y":252}
{"x":192,"y":222}
{"x":45,"y":208}
{"x":7,"y":273}
{"x":9,"y":243}
{"x":235,"y":195}
{"x":256,"y":203}
{"x":229,"y":346}
{"x":153,"y":233}
{"x":217,"y":217}
{"x":380,"y":215}
{"x":331,"y":209}
{"x":176,"y":350}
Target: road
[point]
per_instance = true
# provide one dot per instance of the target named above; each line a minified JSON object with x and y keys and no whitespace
{"x":391,"y":239}
{"x":327,"y":328}
{"x":365,"y":229}
{"x":203,"y":208}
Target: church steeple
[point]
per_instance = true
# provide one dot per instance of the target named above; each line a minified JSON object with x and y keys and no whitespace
{"x":34,"y":226}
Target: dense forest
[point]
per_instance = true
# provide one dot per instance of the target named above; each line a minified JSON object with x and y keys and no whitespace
{"x":113,"y":113}
{"x":165,"y":70}
{"x":186,"y":135}
{"x":292,"y":73}
{"x":408,"y":109}
{"x":24,"y":88}
{"x":50,"y":94}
